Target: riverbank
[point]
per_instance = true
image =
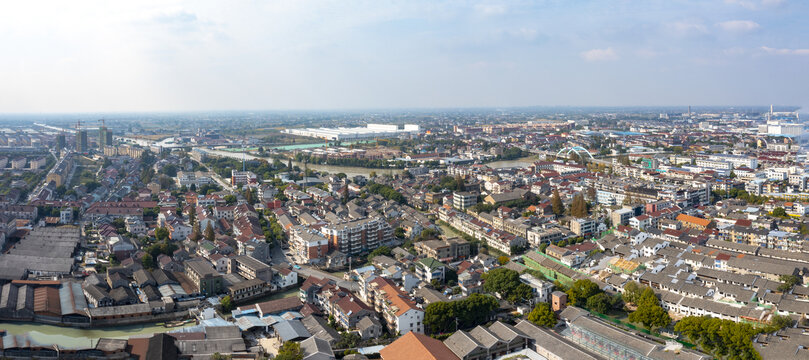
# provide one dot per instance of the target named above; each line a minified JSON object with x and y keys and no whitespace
{"x":352,"y":171}
{"x":74,"y":337}
{"x":519,"y":162}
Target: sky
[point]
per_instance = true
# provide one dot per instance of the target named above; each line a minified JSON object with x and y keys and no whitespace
{"x":117,"y":56}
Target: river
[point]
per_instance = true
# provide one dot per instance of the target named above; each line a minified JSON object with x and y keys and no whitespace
{"x":74,"y":337}
{"x":331,"y":169}
{"x":520,"y":162}
{"x":354,"y":170}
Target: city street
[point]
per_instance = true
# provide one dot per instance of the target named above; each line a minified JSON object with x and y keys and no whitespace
{"x":278,"y":258}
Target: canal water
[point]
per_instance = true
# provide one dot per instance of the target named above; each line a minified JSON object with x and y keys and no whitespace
{"x":73,"y":337}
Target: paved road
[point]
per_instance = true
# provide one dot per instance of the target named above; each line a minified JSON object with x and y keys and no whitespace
{"x":278,"y":258}
{"x":221,"y":181}
{"x":41,"y":185}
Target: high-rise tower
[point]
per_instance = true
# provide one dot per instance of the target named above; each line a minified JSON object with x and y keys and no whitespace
{"x":104,"y":135}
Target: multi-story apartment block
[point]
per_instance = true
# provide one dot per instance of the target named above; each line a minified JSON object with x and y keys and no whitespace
{"x":135,"y":225}
{"x":541,"y":289}
{"x":621,"y":216}
{"x":206,"y":280}
{"x":429,"y":269}
{"x":736,"y":161}
{"x":308,"y":245}
{"x":37,"y":163}
{"x":197,"y":178}
{"x":357,"y":236}
{"x":400,"y":312}
{"x":450,"y":249}
{"x":249,"y":268}
{"x":583,"y":226}
{"x":242,"y":177}
{"x":538,"y":235}
{"x":464,"y":200}
{"x":247,"y":289}
{"x":714,"y":164}
{"x":19,"y":163}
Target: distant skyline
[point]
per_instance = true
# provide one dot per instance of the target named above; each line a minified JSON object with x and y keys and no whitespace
{"x":145,"y":56}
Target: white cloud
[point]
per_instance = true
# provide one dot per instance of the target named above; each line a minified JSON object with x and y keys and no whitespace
{"x":784,"y":51}
{"x":738,"y":26}
{"x":525,"y":33}
{"x":490,"y":9}
{"x":687,"y":28}
{"x":607,"y":54}
{"x":755,"y":4}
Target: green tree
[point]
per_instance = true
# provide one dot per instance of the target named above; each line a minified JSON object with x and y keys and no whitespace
{"x":170,"y":170}
{"x":600,"y":302}
{"x":632,"y":291}
{"x":556,"y":203}
{"x":778,"y":322}
{"x":476,"y":309}
{"x":196,"y":233}
{"x":348,"y":340}
{"x":147,"y":261}
{"x":651,"y":316}
{"x":649,"y":312}
{"x":439,"y":317}
{"x":789,"y":281}
{"x":230,"y":199}
{"x":209,"y":234}
{"x":443,"y":317}
{"x":248,"y":195}
{"x":503,"y":259}
{"x":542,"y":315}
{"x":725,"y":339}
{"x":459,"y":183}
{"x":779,"y":212}
{"x":227,"y":303}
{"x":290,"y":350}
{"x":591,"y":193}
{"x":161,"y":233}
{"x":578,"y":208}
{"x":382,"y":250}
{"x":580,"y":291}
{"x":505,"y":282}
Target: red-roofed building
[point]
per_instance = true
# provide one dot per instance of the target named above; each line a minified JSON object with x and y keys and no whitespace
{"x":414,"y":346}
{"x":399,"y":311}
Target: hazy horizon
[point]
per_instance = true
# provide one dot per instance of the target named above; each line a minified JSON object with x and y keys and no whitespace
{"x":287,"y":56}
{"x":532,"y":108}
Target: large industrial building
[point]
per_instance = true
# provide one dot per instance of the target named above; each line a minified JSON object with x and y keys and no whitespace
{"x":369,"y":132}
{"x":781,"y":124}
